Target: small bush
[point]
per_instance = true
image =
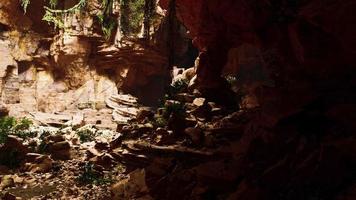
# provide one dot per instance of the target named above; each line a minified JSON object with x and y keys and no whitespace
{"x":176,"y":87}
{"x":6,"y":124}
{"x":160,"y":122}
{"x":21,"y":128}
{"x":11,"y":126}
{"x":86,"y":135}
{"x":132,"y":16}
{"x":42,"y":147}
{"x":176,"y":108}
{"x":91,"y":176}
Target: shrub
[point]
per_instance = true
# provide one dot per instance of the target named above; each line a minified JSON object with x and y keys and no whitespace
{"x":176,"y":108}
{"x":42,"y":147}
{"x":132,"y":16}
{"x":86,"y":135}
{"x":160,"y":122}
{"x":176,"y":87}
{"x":11,"y":126}
{"x":6,"y":124}
{"x":90,"y":175}
{"x":21,"y":129}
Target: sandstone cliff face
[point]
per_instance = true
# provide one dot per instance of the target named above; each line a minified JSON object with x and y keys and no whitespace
{"x":48,"y":70}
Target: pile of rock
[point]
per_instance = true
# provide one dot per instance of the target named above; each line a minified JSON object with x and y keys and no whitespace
{"x":125,"y":107}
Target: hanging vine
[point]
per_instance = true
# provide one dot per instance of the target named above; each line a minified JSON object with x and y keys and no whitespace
{"x":56,"y":16}
{"x":132,"y":16}
{"x":149,"y":11}
{"x":107,"y":21}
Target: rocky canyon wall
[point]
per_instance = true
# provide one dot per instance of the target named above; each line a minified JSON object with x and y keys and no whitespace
{"x":58,"y":70}
{"x":278,"y":49}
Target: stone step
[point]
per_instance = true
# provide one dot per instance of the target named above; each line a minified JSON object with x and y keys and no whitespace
{"x":117,"y":101}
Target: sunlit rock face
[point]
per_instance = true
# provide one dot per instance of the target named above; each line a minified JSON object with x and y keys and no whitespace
{"x":46,"y":70}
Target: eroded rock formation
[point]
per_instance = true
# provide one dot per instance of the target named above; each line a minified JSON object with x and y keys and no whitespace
{"x":283,"y":128}
{"x":43,"y":69}
{"x":273,"y":41}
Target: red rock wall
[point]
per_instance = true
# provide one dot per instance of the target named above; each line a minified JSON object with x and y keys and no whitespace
{"x":305,"y":47}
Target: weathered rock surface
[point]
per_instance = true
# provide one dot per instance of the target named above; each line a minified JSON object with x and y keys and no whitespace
{"x":76,"y":69}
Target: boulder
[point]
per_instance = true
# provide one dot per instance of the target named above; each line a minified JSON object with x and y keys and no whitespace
{"x":104,"y":160}
{"x":199,"y":102}
{"x":188,"y":74}
{"x":133,"y":187}
{"x":185,"y":97}
{"x":13,"y":152}
{"x":38,"y":163}
{"x":60,"y":150}
{"x":9,"y":196}
{"x":195,"y":134}
{"x":164,"y":137}
{"x":144,"y":113}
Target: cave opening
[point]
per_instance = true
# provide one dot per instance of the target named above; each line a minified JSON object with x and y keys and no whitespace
{"x":177,"y":99}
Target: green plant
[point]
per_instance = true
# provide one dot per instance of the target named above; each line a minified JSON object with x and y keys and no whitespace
{"x":90,"y":175}
{"x":44,"y":134}
{"x":86,"y":135}
{"x":11,"y":126}
{"x":108,"y":24}
{"x":107,"y":21}
{"x":175,"y":107}
{"x":23,"y":124}
{"x":176,"y":87}
{"x":56,"y":16}
{"x":21,"y":128}
{"x":53,"y":18}
{"x":42,"y":147}
{"x":132,"y":16}
{"x":6,"y":124}
{"x":160,"y":122}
